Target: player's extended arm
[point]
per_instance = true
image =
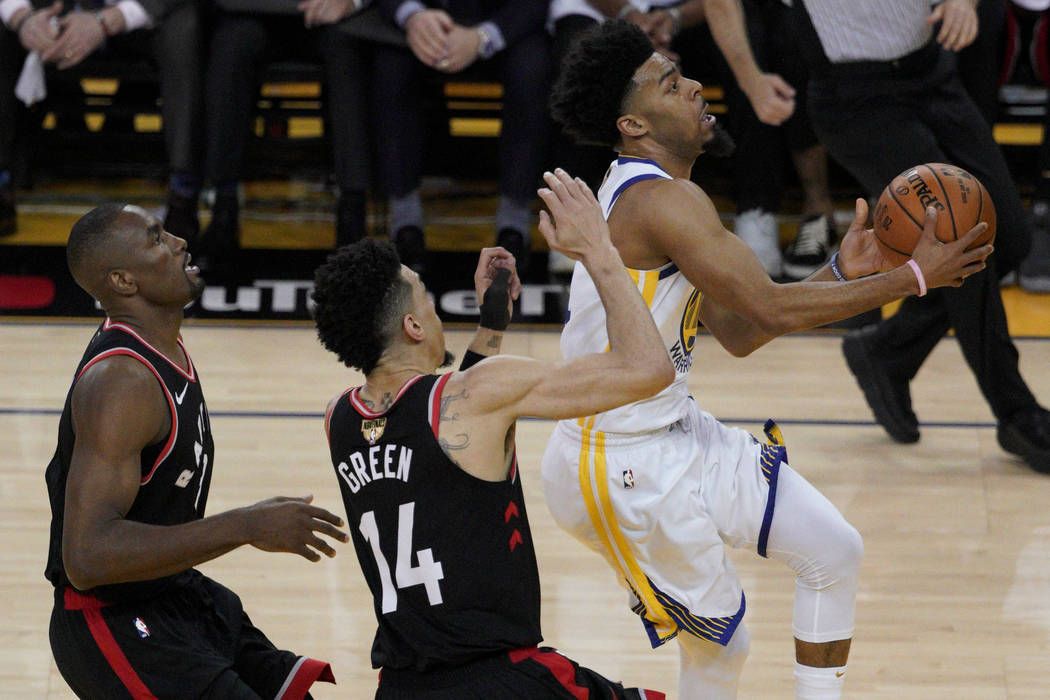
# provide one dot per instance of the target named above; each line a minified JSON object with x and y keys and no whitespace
{"x":118,"y":409}
{"x":636,"y":365}
{"x":743,"y":308}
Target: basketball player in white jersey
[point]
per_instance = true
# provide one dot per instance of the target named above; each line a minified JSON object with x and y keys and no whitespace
{"x":659,"y":487}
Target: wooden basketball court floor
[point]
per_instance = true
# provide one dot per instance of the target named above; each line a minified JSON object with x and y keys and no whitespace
{"x":954,"y":597}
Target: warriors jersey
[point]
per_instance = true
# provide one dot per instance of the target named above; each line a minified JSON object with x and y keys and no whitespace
{"x":672,"y":300}
{"x":175,"y":472}
{"x":448,"y":557}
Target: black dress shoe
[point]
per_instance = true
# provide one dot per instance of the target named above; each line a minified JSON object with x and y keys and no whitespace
{"x":411,"y":248}
{"x":888,"y":397}
{"x":517,"y":245}
{"x":182,"y":219}
{"x":1027,"y":435}
{"x":7,"y":210}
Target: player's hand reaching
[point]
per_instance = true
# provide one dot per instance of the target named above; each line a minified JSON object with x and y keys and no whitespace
{"x":859,"y":252}
{"x":284,"y":524}
{"x":578,"y":227}
{"x":496,"y":281}
{"x":948,"y":264}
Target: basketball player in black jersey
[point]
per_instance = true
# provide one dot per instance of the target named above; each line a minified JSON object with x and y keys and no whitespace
{"x":426,"y":462}
{"x":128,"y":486}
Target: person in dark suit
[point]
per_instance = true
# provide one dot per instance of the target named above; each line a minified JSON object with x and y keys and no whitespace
{"x":67,"y":36}
{"x":446,"y":37}
{"x":247,"y":35}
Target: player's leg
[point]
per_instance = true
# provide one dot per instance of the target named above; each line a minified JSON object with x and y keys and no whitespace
{"x":711,"y":671}
{"x":230,"y":686}
{"x":810,"y":535}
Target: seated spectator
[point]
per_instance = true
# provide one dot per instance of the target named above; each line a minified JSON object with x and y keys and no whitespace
{"x":68,"y":37}
{"x":507,"y":38}
{"x":249,"y":34}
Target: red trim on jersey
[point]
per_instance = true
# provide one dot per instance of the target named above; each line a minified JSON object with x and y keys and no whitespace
{"x":435,"y":403}
{"x":514,"y":467}
{"x":361,"y":408}
{"x":190,"y":375}
{"x":307,"y":673}
{"x":328,"y":415}
{"x":559,"y":666}
{"x":107,"y":644}
{"x":174,"y":432}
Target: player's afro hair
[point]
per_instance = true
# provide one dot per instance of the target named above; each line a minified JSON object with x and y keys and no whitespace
{"x":360,"y":298}
{"x":595,"y":79}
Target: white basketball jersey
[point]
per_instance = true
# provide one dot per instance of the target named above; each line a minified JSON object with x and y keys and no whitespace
{"x":672,"y":300}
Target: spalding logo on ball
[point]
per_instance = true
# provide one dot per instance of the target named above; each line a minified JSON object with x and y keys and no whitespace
{"x":961,"y":201}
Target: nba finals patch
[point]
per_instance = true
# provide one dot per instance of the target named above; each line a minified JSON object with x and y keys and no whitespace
{"x":373,"y":429}
{"x":628,"y":479}
{"x":141,"y":627}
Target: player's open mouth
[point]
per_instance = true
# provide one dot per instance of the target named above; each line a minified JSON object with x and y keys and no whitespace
{"x":707,"y":119}
{"x":190,"y":268}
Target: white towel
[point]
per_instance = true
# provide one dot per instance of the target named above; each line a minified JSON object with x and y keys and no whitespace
{"x":31,"y":87}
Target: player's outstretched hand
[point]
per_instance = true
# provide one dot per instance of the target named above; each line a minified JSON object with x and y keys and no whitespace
{"x":578,"y":225}
{"x":948,"y":264}
{"x":494,"y":264}
{"x":859,"y":252}
{"x":284,"y":524}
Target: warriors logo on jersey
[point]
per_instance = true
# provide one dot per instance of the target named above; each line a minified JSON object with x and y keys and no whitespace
{"x":682,"y":351}
{"x":372,"y":430}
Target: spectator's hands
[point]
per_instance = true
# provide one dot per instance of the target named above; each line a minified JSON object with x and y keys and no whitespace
{"x":283,"y":524}
{"x":427,"y":33}
{"x":80,"y":34}
{"x":958,"y":20}
{"x":771,"y":97}
{"x":317,"y":13}
{"x":661,"y":28}
{"x":948,"y":264}
{"x":490,"y":263}
{"x":859,"y":252}
{"x":38,"y":32}
{"x":463,"y":47}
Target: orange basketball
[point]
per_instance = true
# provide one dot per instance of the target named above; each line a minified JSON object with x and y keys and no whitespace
{"x":960,"y":198}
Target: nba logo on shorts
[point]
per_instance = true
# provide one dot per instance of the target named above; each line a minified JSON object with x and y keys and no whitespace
{"x":141,"y":627}
{"x":628,"y":479}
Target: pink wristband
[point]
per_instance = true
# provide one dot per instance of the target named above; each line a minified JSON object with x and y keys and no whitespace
{"x":918,"y":276}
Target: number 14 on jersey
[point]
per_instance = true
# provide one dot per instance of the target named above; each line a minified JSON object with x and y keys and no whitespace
{"x":427,"y":573}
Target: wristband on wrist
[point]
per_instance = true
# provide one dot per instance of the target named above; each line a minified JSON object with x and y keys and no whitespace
{"x":495,"y":315}
{"x":918,"y":276}
{"x":97,"y":14}
{"x":835,"y":270}
{"x":470,"y":358}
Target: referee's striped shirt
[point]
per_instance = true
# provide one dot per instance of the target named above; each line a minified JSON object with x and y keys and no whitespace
{"x":869,"y":30}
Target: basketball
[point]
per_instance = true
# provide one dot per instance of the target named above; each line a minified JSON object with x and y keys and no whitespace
{"x":960,"y":198}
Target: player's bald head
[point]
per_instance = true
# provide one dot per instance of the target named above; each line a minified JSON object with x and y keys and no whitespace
{"x":98,"y":243}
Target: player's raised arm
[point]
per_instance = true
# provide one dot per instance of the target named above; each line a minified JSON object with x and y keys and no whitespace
{"x":636,"y":364}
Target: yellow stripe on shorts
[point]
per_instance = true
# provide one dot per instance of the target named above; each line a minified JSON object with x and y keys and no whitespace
{"x":603,"y":519}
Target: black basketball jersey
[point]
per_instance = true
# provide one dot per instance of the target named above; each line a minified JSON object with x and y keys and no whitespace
{"x":448,"y":557}
{"x":176,"y":471}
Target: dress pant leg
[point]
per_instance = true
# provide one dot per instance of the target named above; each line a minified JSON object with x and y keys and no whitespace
{"x":237,"y":46}
{"x":523,"y":140}
{"x":346,"y":82}
{"x":398,"y":118}
{"x":12,"y":56}
{"x":179,"y":51}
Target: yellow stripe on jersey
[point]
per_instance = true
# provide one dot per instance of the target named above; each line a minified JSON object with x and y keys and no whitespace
{"x":603,"y":519}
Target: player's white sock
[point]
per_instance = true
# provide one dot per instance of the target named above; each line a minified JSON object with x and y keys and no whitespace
{"x":812,"y":683}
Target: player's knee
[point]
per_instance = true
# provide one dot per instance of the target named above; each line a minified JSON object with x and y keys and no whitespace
{"x":841,"y":554}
